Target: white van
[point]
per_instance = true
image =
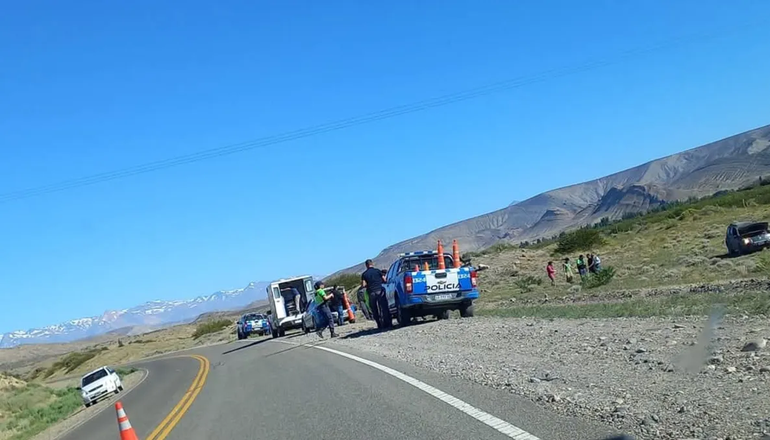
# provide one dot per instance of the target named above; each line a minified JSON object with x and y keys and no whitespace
{"x":288,"y":300}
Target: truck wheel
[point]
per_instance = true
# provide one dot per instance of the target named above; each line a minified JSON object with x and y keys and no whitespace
{"x":443,"y":315}
{"x":87,"y":405}
{"x":403,"y":315}
{"x":120,"y":387}
{"x":467,"y":311}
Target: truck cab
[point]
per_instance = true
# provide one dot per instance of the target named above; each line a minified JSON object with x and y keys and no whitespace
{"x":288,"y":300}
{"x":413,"y":290}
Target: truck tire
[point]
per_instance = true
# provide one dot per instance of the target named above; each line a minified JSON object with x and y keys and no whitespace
{"x":443,"y":315}
{"x":467,"y":311}
{"x":403,"y":315}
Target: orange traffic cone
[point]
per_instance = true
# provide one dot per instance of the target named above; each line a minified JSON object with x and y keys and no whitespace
{"x":126,"y":430}
{"x":456,"y":253}
{"x":425,"y":266}
{"x":441,"y":262}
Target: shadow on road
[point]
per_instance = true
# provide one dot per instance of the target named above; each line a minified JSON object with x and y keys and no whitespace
{"x":242,"y":347}
{"x":374,"y":331}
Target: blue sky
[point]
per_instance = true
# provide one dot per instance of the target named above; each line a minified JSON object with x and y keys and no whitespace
{"x":87,"y":87}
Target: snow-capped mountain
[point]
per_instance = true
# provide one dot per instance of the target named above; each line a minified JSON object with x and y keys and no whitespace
{"x":150,"y":313}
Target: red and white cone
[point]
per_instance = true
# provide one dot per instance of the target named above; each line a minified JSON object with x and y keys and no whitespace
{"x":126,"y":430}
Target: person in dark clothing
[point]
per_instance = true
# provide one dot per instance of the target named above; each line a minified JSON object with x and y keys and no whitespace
{"x":322,"y":300}
{"x":372,"y":279}
{"x":363,"y":303}
{"x":338,"y":305}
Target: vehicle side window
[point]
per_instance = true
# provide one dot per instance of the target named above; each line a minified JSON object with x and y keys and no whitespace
{"x":276,"y":292}
{"x":309,"y":285}
{"x":392,"y":271}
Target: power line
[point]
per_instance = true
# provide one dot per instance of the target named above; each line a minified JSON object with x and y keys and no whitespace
{"x":388,"y":113}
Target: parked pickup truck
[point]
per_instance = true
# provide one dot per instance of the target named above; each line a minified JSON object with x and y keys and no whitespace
{"x":412,"y":293}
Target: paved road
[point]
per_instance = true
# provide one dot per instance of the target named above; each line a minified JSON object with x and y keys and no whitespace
{"x":315,"y":394}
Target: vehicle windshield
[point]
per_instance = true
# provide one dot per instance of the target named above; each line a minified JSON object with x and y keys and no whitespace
{"x":432,"y":261}
{"x":254,"y":317}
{"x":93,"y":377}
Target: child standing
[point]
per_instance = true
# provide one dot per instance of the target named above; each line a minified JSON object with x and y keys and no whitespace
{"x":551,"y":272}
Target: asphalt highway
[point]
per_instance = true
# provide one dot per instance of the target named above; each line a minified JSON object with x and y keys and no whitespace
{"x":262,"y":388}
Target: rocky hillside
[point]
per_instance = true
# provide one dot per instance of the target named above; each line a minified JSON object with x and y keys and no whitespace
{"x":726,"y":164}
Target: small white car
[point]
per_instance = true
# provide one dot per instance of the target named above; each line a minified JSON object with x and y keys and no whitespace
{"x":99,"y":383}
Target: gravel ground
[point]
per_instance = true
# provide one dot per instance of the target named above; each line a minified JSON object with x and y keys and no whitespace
{"x":706,"y":378}
{"x":61,"y":428}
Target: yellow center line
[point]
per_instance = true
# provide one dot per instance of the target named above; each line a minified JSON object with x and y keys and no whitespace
{"x":176,"y":414}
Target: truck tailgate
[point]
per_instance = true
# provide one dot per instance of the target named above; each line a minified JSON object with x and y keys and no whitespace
{"x":440,"y":281}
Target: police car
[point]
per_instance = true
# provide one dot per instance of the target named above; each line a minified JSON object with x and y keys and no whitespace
{"x":415,"y":290}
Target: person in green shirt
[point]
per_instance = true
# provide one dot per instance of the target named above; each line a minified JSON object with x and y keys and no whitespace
{"x":568,"y":270}
{"x":322,"y":304}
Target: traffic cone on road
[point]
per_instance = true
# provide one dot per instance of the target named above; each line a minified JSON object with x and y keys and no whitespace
{"x":441,"y":262}
{"x":126,"y":430}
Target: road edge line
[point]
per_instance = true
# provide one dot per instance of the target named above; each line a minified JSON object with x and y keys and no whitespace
{"x":495,"y":423}
{"x":99,"y":411}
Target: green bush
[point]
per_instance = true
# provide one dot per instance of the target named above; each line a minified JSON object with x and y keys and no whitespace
{"x":350,"y":281}
{"x":525,"y":283}
{"x":581,"y":239}
{"x":208,"y":327}
{"x":125,"y":371}
{"x":72,"y":361}
{"x":600,"y":278}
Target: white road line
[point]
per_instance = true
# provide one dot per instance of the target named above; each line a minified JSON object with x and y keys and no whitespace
{"x":488,"y":419}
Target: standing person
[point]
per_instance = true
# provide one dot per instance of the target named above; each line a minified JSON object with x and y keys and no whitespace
{"x":597,"y":264}
{"x":581,"y":266}
{"x":338,"y":305}
{"x":373,"y":279}
{"x":591,"y":268}
{"x":322,"y":300}
{"x":363,"y":304}
{"x":551,"y":272}
{"x":568,"y":270}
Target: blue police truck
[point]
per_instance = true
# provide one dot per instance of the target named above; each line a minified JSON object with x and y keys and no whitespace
{"x":413,"y":291}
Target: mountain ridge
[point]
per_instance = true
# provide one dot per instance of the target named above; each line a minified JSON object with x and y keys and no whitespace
{"x":154,"y":313}
{"x":726,"y":164}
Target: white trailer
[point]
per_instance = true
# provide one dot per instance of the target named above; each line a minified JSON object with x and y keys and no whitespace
{"x":288,"y":300}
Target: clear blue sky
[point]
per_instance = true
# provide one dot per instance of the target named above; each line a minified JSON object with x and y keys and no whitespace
{"x":88,"y":87}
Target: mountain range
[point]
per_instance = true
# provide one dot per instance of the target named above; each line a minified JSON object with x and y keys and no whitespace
{"x":151,"y":314}
{"x":723,"y":165}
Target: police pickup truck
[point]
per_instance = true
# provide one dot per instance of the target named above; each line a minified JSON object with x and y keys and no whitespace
{"x":413,"y":291}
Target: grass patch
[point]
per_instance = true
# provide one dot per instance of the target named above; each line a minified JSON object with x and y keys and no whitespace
{"x":29,"y":410}
{"x":72,"y":361}
{"x":209,"y":327}
{"x":125,"y":371}
{"x":755,"y":303}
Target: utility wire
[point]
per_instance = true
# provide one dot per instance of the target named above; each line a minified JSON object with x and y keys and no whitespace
{"x":388,"y":113}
